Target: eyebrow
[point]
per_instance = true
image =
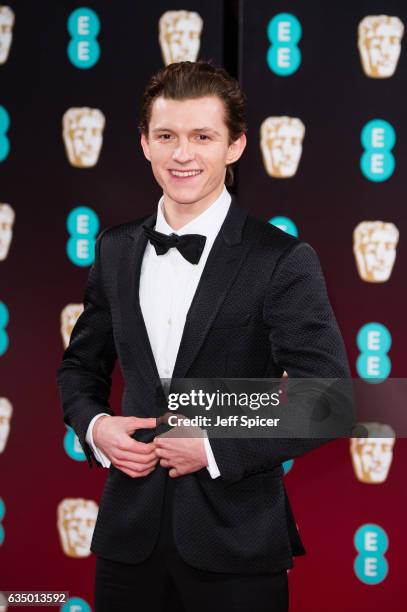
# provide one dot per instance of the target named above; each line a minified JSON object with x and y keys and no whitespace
{"x":203,"y":129}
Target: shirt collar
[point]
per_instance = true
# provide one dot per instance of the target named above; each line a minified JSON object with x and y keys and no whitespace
{"x":207,"y":223}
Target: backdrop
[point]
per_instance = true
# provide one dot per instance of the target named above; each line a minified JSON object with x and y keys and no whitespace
{"x":325,"y":161}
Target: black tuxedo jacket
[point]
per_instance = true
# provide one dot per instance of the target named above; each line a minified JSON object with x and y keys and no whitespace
{"x":260,"y":308}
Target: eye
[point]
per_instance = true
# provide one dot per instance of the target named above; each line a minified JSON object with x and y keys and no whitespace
{"x":164,"y":137}
{"x":203,"y":137}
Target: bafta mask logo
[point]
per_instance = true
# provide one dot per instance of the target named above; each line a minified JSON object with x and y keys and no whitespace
{"x":6,"y":32}
{"x":7,"y":216}
{"x":6,"y":410}
{"x":374,"y":247}
{"x":69,"y":315}
{"x":372,"y":456}
{"x":180,"y":36}
{"x":76,"y":522}
{"x":281,"y":145}
{"x":83,"y":135}
{"x":379,"y":42}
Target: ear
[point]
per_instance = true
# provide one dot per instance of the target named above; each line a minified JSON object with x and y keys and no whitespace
{"x":145,"y":146}
{"x":236,"y":149}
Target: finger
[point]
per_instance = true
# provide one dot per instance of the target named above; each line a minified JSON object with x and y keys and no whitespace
{"x":135,"y":446}
{"x":162,"y":453}
{"x":136,"y":467}
{"x":134,"y":423}
{"x":173,"y":473}
{"x":121,"y":455}
{"x":134,"y":474}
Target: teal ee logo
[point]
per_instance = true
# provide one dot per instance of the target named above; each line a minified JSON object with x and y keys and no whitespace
{"x":287,"y":465}
{"x":374,"y":342}
{"x":83,"y":48}
{"x":76,"y":604}
{"x":377,"y":162}
{"x":4,"y":126}
{"x":83,"y":226}
{"x":2,"y":513}
{"x":284,"y":32}
{"x":285,"y":224}
{"x":371,"y":542}
{"x":4,"y":318}
{"x":72,"y":446}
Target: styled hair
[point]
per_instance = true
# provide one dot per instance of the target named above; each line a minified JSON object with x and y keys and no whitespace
{"x":190,"y":80}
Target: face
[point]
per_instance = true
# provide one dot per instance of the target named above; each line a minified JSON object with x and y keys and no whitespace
{"x":83,"y":135}
{"x":380,"y":45}
{"x":281,"y":145}
{"x":375,"y":250}
{"x":188,"y":147}
{"x":372,"y":458}
{"x":180,"y":34}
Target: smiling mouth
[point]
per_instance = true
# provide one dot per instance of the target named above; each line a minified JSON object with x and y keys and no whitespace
{"x":185,"y":173}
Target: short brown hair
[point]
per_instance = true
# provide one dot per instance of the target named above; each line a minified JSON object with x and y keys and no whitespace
{"x":188,"y":80}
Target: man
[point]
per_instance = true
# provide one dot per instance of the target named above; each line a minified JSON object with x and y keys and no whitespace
{"x":193,"y":523}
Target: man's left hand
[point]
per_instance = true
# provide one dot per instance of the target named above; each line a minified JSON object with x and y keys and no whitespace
{"x":181,"y":449}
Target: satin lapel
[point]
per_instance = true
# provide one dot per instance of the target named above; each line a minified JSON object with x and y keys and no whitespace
{"x":134,"y":332}
{"x":225,"y":259}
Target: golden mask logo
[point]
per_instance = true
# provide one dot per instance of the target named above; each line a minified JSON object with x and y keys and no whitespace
{"x":180,"y":36}
{"x":69,"y":316}
{"x":281,"y":145}
{"x":372,"y":456}
{"x":76,"y":519}
{"x":6,"y":410}
{"x":6,"y":32}
{"x":82,"y":131}
{"x":379,"y":43}
{"x":7,"y":217}
{"x":374,"y":247}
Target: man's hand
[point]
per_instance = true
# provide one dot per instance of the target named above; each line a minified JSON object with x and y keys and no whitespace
{"x":112,"y":435}
{"x":181,"y":449}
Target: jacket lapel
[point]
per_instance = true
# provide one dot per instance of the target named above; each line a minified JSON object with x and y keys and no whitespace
{"x":227,"y":255}
{"x":223,"y":264}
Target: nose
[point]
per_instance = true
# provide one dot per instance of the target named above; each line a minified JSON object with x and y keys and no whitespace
{"x":183,"y":152}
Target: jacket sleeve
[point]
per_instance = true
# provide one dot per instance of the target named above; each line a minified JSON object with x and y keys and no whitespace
{"x":306,"y":342}
{"x":84,"y":375}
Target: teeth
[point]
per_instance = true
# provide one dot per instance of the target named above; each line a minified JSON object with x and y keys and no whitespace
{"x":180,"y":173}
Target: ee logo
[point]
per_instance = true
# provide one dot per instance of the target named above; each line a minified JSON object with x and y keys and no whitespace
{"x":284,"y":32}
{"x":284,"y":223}
{"x":76,"y":604}
{"x":83,"y":48}
{"x":4,"y":126}
{"x":72,"y":446}
{"x":377,"y":162}
{"x":83,"y":226}
{"x":371,"y":565}
{"x":2,"y":513}
{"x":374,"y":342}
{"x":4,"y":317}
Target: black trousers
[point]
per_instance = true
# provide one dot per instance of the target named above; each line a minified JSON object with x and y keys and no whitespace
{"x":165,"y":583}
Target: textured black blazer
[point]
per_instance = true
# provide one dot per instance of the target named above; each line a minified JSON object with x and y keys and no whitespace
{"x":261,"y":307}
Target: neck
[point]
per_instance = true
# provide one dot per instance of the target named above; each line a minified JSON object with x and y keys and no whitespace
{"x":178,"y":214}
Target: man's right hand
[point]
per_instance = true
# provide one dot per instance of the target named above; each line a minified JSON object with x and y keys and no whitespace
{"x":112,"y":434}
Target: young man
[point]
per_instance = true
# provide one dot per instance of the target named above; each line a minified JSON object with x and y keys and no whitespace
{"x":193,"y":523}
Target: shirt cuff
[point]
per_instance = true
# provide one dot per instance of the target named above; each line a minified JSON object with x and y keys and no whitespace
{"x":212,"y":466}
{"x":99,"y":455}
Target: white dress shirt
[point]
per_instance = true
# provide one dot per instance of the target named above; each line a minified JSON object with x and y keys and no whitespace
{"x":167,"y":286}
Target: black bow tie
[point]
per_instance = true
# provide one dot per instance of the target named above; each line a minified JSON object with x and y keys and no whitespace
{"x":189,"y":245}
